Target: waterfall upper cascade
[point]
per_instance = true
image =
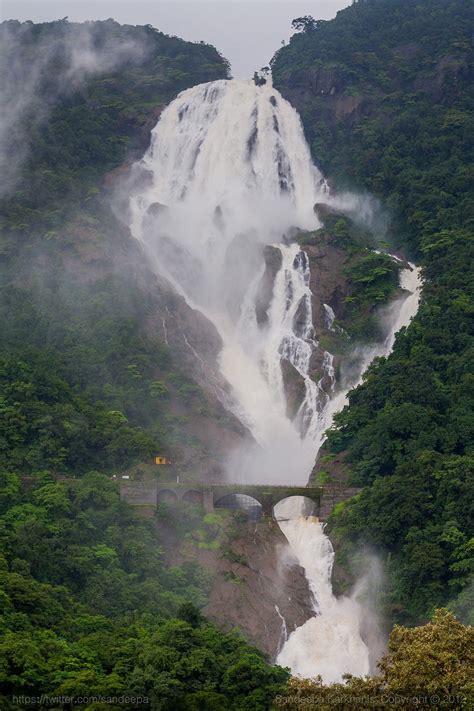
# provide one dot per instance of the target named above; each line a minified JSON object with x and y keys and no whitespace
{"x":227,"y":173}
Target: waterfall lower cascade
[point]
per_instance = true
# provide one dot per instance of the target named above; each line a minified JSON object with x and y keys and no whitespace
{"x":228,"y":172}
{"x":328,"y":644}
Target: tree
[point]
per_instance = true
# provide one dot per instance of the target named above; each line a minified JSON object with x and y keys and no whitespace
{"x":431,"y":664}
{"x":307,"y":23}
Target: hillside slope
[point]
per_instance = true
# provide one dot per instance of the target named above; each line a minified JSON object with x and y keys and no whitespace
{"x":88,"y":381}
{"x":385,"y":91}
{"x":87,"y":377}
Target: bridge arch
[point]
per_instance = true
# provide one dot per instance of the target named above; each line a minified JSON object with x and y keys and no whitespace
{"x":193,"y":496}
{"x":166,"y":496}
{"x":241,"y":502}
{"x":294,"y":507}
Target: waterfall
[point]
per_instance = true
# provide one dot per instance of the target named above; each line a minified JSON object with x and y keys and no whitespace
{"x":229,"y":172}
{"x":329,"y":643}
{"x":284,"y":629}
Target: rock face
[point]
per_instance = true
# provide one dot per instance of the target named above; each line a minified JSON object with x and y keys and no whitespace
{"x":295,"y":388}
{"x":273,"y":261}
{"x":328,"y":84}
{"x":246,"y":595}
{"x":327,"y":282}
{"x":256,"y":582}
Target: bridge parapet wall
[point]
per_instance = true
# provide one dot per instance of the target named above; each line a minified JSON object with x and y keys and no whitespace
{"x":152,"y":493}
{"x":268,"y":496}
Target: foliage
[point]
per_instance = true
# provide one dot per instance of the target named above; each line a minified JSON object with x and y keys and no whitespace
{"x":426,"y":667}
{"x":98,"y":84}
{"x":83,"y":382}
{"x":385,"y":91}
{"x":307,"y":23}
{"x":87,"y":604}
{"x":87,"y":608}
{"x":373,"y":279}
{"x":46,"y":425}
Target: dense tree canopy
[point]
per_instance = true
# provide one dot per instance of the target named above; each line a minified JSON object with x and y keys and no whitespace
{"x":385,"y":92}
{"x":88,"y":608}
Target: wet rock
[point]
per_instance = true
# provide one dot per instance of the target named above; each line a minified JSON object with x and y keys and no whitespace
{"x":323,"y":211}
{"x":273,"y":261}
{"x":295,"y":389}
{"x":156,"y":208}
{"x":328,"y":282}
{"x":265,"y":576}
{"x":300,"y":320}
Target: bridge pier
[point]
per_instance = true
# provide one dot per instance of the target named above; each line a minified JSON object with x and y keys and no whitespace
{"x":267,"y":504}
{"x":208,"y":501}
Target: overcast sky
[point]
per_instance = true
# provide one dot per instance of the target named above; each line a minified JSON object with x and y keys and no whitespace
{"x":246,"y":32}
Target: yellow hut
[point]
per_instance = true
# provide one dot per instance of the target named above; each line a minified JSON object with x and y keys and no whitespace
{"x":162,"y":460}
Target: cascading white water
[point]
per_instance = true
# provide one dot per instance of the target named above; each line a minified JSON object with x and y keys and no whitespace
{"x":228,"y":172}
{"x":328,"y":644}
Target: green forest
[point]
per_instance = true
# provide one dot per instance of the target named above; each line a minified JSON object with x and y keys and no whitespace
{"x":386,"y":95}
{"x":89,"y":608}
{"x":82,"y":384}
{"x":88,"y":603}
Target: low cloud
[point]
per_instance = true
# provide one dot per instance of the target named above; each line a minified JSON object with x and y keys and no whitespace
{"x":41,"y":63}
{"x":368,"y":593}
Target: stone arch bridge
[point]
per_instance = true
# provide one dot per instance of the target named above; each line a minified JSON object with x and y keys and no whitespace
{"x":253,"y":499}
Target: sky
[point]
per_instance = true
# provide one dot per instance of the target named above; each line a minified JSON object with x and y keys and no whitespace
{"x":246,"y":32}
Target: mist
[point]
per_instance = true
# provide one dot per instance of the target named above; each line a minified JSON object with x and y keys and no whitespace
{"x":37,"y":68}
{"x":367,"y":592}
